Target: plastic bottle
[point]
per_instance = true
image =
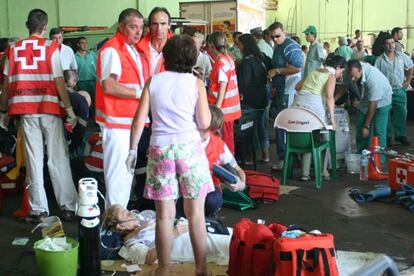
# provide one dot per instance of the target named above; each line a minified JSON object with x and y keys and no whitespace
{"x":363,"y":172}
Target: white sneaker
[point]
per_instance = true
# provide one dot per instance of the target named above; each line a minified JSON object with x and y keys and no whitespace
{"x":305,"y":178}
{"x":278,"y":166}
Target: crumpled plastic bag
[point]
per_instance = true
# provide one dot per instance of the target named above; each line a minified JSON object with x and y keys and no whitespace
{"x":144,"y":216}
{"x":51,"y":227}
{"x":54,"y":244}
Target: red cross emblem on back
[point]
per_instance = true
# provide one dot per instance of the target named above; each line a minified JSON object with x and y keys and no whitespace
{"x":29,"y":54}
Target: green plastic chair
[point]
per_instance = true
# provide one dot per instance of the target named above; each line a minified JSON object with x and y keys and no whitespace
{"x":306,"y":133}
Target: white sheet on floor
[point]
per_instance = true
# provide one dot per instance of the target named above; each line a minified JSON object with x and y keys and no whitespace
{"x":217,"y":250}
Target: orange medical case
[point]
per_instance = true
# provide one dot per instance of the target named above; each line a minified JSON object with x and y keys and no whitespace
{"x":400,"y":172}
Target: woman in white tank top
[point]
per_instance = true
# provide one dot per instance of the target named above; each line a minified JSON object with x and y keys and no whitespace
{"x":177,"y":163}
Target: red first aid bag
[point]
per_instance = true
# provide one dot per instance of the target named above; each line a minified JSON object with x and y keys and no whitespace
{"x":307,"y":255}
{"x":9,"y":186}
{"x":262,"y":186}
{"x":251,"y":249}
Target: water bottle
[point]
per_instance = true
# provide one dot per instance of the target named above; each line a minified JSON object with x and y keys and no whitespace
{"x":363,"y":172}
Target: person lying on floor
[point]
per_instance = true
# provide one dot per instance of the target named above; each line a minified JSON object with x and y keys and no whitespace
{"x":139,"y":239}
{"x":217,"y":153}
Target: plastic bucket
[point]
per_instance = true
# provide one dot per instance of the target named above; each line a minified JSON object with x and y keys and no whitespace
{"x":62,"y":263}
{"x":352,"y":163}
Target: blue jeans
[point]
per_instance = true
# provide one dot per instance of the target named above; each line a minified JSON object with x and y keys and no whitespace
{"x":282,"y":101}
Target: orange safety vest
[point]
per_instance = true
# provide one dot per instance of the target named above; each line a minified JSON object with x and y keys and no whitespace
{"x":231,"y":102}
{"x":31,"y":87}
{"x":94,"y":162}
{"x":112,"y":111}
{"x":214,"y":149}
{"x":2,"y":61}
{"x":143,"y":46}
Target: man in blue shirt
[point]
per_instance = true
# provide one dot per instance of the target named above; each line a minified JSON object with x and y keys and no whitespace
{"x":374,"y":92}
{"x":287,"y":63}
{"x":398,"y":68}
{"x":315,"y":56}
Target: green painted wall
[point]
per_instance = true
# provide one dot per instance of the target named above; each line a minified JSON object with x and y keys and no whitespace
{"x":331,"y":17}
{"x":342,"y":17}
{"x":13,"y":13}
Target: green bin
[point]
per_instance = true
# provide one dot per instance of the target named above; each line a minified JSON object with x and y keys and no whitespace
{"x":62,"y":263}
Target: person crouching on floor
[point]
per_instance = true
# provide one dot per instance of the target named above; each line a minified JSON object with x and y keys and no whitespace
{"x":217,"y":154}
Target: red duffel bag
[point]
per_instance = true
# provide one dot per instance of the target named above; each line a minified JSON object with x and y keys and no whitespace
{"x":307,"y":255}
{"x":251,"y":249}
{"x":262,"y":186}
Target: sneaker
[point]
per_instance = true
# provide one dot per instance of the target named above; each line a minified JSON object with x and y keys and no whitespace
{"x":326,"y":177}
{"x":68,"y":215}
{"x":264,"y":160}
{"x":403,"y":140}
{"x":278,"y":166}
{"x":35,"y":217}
{"x":305,"y":178}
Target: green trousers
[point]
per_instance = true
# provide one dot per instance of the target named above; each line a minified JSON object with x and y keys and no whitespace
{"x":378,"y":128}
{"x":398,"y":115}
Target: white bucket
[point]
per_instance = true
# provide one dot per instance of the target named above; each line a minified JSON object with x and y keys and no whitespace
{"x":352,"y":163}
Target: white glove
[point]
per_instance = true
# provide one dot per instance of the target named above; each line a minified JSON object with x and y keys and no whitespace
{"x":238,"y":186}
{"x":71,"y":119}
{"x":131,"y":161}
{"x":4,"y":120}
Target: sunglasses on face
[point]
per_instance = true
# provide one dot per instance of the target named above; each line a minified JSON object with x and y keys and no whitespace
{"x":275,"y":36}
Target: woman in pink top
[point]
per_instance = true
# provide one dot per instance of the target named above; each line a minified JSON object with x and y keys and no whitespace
{"x":177,"y":163}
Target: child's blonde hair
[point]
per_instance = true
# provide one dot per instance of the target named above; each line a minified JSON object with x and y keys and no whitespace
{"x":217,"y":118}
{"x":111,"y":217}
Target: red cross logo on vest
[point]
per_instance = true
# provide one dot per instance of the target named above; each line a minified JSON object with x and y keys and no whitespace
{"x":401,"y":176}
{"x":29,"y":54}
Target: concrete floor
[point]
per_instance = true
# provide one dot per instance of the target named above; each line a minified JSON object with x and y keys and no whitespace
{"x":380,"y":227}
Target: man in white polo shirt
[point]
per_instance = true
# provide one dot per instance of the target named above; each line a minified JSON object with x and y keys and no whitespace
{"x":67,"y":56}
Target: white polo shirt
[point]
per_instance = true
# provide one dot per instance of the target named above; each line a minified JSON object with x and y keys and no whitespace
{"x":155,"y":60}
{"x":67,"y":58}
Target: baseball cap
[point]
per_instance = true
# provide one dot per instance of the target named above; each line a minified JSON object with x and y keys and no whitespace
{"x":256,"y":30}
{"x":310,"y":29}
